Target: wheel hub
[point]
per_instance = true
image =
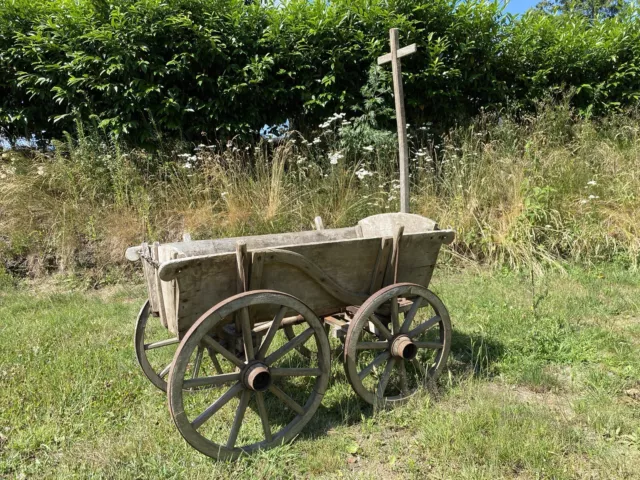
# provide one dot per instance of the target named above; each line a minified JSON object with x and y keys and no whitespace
{"x":403,"y":347}
{"x":257,"y":377}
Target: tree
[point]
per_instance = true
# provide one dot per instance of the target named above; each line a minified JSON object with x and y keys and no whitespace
{"x":588,"y":8}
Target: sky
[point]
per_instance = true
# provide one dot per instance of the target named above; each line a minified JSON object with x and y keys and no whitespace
{"x":520,"y":6}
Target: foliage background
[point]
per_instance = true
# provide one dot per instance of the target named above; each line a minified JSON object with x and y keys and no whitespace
{"x":151,"y":70}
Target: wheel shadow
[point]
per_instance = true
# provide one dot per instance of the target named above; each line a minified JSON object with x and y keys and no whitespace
{"x":470,"y":355}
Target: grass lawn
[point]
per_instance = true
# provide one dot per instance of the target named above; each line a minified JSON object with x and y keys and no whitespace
{"x":543,"y":382}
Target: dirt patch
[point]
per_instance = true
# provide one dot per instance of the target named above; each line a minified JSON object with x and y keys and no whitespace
{"x":557,"y":402}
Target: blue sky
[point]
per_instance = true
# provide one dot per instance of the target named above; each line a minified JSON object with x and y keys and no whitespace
{"x":520,"y":6}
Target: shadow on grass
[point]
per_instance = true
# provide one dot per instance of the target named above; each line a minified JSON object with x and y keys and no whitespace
{"x":469,"y":353}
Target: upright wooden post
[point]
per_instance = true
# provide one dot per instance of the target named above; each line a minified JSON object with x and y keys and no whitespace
{"x":398,"y":93}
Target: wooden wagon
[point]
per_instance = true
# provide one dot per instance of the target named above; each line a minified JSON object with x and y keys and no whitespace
{"x":254,"y":322}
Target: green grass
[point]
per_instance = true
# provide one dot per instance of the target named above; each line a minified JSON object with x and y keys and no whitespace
{"x":541,"y":384}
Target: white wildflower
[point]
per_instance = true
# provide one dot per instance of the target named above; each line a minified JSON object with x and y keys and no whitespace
{"x":223,"y":194}
{"x":346,"y":122}
{"x":316,"y":140}
{"x":334,"y":157}
{"x":593,"y":197}
{"x":184,"y":155}
{"x":592,"y":183}
{"x":3,"y":175}
{"x":41,"y":170}
{"x":363,"y":173}
{"x":583,"y":201}
{"x":368,"y":148}
{"x":229,"y":143}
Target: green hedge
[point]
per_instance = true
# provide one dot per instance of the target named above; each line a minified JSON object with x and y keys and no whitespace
{"x":188,"y":68}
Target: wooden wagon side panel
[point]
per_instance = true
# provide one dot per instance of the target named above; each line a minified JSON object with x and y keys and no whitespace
{"x":151,"y":280}
{"x":325,"y":276}
{"x":417,"y":257}
{"x":201,"y":284}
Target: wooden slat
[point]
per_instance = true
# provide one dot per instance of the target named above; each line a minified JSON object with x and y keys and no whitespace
{"x":402,"y":52}
{"x":381,"y":265}
{"x":257,"y":264}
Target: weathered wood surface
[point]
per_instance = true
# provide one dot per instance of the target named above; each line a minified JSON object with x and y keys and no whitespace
{"x":325,"y":276}
{"x":398,"y":94}
{"x":341,"y":269}
{"x":224,"y":245}
{"x":385,"y":225}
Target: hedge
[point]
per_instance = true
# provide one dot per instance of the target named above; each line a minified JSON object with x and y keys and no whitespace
{"x":194,"y":69}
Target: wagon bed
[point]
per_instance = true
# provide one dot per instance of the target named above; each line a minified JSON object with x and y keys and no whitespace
{"x":327,"y":269}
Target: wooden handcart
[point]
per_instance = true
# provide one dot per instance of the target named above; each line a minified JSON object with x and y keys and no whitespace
{"x":253,"y":322}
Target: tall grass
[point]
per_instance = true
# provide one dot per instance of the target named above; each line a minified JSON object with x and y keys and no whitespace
{"x":528,"y":192}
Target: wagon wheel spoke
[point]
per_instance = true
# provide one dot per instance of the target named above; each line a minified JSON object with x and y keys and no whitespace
{"x":198,"y":362}
{"x":402,"y":370}
{"x":423,"y":327}
{"x":212,"y":381}
{"x":163,"y":373}
{"x":295,"y":372}
{"x":273,"y":329}
{"x":372,"y":345}
{"x":237,"y":421}
{"x":384,"y":331}
{"x":374,"y":363}
{"x":410,"y":315}
{"x":161,"y":343}
{"x":395,"y":321}
{"x":247,"y":339}
{"x":384,"y":379}
{"x":290,"y":402}
{"x":223,"y":351}
{"x":214,"y":360}
{"x":217,"y":405}
{"x":287,"y":347}
{"x":264,"y":417}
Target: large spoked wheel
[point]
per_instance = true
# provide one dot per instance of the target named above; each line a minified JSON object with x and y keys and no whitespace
{"x":154,"y":350}
{"x":282,"y":388}
{"x":397,"y":342}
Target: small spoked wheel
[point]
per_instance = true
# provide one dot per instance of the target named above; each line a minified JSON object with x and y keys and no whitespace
{"x":265,"y":392}
{"x":154,"y":350}
{"x":397,"y":342}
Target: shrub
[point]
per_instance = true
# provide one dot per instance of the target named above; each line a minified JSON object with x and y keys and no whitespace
{"x":151,"y":71}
